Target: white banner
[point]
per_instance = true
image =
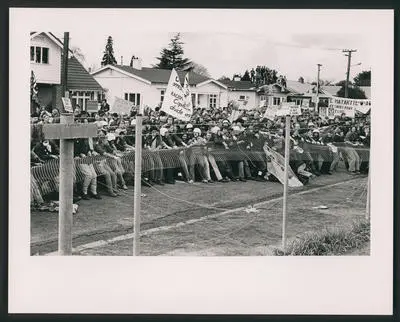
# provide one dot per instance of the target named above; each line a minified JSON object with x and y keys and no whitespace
{"x":177,"y":99}
{"x":270,"y":113}
{"x":121,"y":106}
{"x":348,"y":106}
{"x":277,"y":167}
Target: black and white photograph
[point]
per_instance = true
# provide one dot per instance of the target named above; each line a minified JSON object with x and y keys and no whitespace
{"x":204,"y":143}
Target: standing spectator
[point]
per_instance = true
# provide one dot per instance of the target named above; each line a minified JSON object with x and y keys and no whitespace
{"x":104,"y":107}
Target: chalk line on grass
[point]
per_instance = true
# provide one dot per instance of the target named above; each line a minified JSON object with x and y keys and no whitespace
{"x":106,"y":242}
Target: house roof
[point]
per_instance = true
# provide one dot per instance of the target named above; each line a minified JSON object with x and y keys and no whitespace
{"x":161,"y":76}
{"x":239,"y":85}
{"x":79,"y":78}
{"x":297,"y":87}
{"x":331,"y":89}
{"x":53,"y":37}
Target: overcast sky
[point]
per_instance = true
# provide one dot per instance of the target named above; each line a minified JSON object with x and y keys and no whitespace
{"x":293,"y":55}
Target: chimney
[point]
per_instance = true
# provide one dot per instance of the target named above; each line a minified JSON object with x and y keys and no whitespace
{"x":137,"y":63}
{"x":122,"y":60}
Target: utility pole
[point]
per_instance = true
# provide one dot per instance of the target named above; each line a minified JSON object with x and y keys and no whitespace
{"x":317,"y":101}
{"x":348,"y":51}
{"x":64,"y":75}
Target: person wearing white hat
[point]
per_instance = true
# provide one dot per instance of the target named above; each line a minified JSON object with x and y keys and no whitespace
{"x":198,"y":156}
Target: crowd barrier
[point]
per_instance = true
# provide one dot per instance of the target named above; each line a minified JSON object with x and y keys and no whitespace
{"x":45,"y":177}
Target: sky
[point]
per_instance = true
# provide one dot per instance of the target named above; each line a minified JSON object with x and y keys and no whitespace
{"x":222,"y":53}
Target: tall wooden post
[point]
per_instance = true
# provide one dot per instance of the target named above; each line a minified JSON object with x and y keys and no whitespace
{"x":137,"y":185}
{"x":286,"y":181}
{"x":66,"y":190}
{"x":368,"y":205}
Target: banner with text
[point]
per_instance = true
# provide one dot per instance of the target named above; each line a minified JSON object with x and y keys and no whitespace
{"x":177,"y":99}
{"x":348,"y":106}
{"x":277,"y":167}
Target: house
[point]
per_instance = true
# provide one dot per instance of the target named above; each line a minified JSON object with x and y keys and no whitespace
{"x":144,"y":86}
{"x":46,"y":51}
{"x":243,"y":93}
{"x":277,"y":93}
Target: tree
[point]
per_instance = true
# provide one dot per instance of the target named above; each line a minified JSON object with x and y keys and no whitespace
{"x":353,"y":92}
{"x":301,"y":80}
{"x":78,"y":54}
{"x":246,"y":76}
{"x":224,"y":78}
{"x":342,"y":83}
{"x":198,"y":69}
{"x":108,"y":57}
{"x":172,"y":57}
{"x":363,"y":78}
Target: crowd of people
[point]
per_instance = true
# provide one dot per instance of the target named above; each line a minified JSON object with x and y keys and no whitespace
{"x":212,"y":147}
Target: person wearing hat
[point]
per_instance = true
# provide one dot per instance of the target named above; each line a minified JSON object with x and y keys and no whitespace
{"x":86,"y":168}
{"x":173,"y":141}
{"x":153,"y":143}
{"x":351,"y":141}
{"x":198,"y":157}
{"x":105,"y":147}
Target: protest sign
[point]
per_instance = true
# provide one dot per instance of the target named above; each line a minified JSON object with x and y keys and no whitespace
{"x":276,"y":167}
{"x":288,"y":108}
{"x":305,"y":103}
{"x":67,"y":104}
{"x":177,"y":99}
{"x":270,"y":112}
{"x":92,"y":106}
{"x":348,"y":106}
{"x":121,"y":106}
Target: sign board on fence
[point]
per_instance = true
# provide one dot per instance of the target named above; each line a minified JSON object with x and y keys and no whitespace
{"x":69,"y":131}
{"x":348,"y":106}
{"x":121,"y":106}
{"x":177,"y":98}
{"x":277,"y":167}
{"x":67,"y":104}
{"x":92,"y":106}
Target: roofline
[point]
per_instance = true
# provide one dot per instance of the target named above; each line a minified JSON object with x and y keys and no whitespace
{"x":122,"y":72}
{"x":212,"y":80}
{"x":52,"y":37}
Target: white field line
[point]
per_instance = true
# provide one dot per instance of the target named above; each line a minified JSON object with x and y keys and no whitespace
{"x":101,"y":243}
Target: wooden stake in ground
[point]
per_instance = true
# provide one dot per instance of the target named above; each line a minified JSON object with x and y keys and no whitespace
{"x":368,"y":206}
{"x":137,"y":185}
{"x":67,"y":131}
{"x":286,"y":180}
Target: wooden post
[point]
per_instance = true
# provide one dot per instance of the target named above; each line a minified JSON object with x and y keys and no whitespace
{"x":368,"y":206}
{"x":66,"y":191}
{"x":137,"y":185}
{"x":286,"y":181}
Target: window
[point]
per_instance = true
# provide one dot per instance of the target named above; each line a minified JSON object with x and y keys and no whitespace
{"x":212,"y":100}
{"x":39,"y":55}
{"x":81,"y":98}
{"x":162,"y":95}
{"x":262,"y":97}
{"x":242,"y":98}
{"x":133,"y":97}
{"x":277,"y":101}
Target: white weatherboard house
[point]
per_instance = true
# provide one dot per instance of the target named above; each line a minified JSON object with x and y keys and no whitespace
{"x":46,"y":51}
{"x":145,"y":86}
{"x":244,"y":93}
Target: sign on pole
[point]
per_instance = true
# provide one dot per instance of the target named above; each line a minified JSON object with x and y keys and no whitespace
{"x":67,"y":104}
{"x":69,"y":131}
{"x":177,"y":99}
